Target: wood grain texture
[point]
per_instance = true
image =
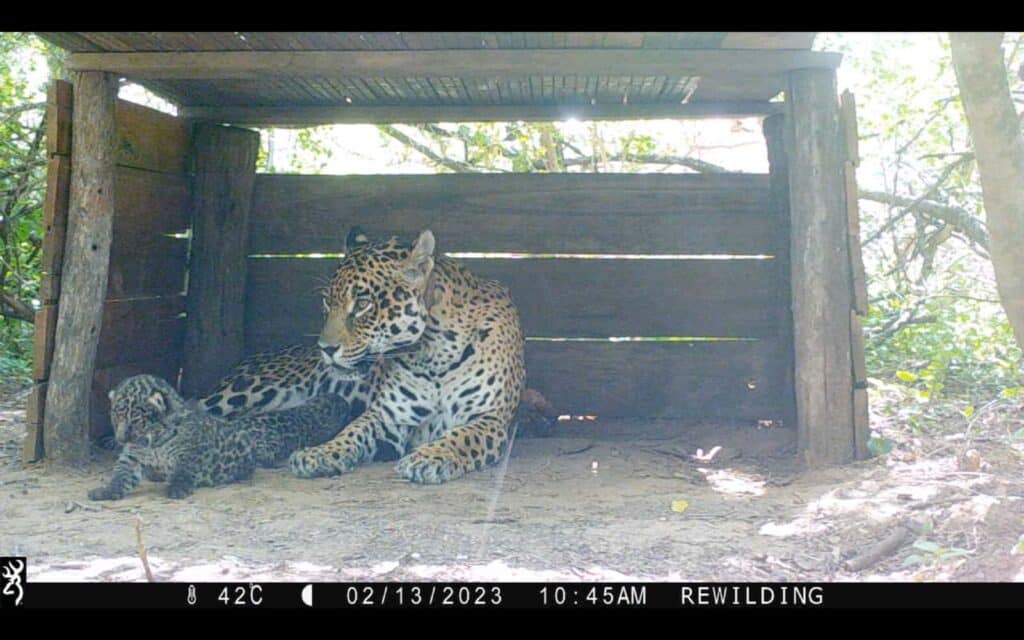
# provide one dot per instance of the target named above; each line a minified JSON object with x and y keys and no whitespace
{"x":44,"y":332}
{"x":578,"y":213}
{"x":55,"y":221}
{"x":59,"y":102}
{"x":32,"y":445}
{"x":862,"y":423}
{"x":848,"y":109}
{"x":306,"y":116}
{"x":140,"y":329}
{"x":157,"y":267}
{"x":450,"y":63}
{"x":860,"y":280}
{"x":558,"y":297}
{"x":85,"y":269}
{"x":225,"y":165}
{"x":149,"y":139}
{"x":406,"y":40}
{"x":150,"y":203}
{"x":821,"y":277}
{"x":860,"y":374}
{"x":145,"y":260}
{"x":659,"y":380}
{"x":774,"y":129}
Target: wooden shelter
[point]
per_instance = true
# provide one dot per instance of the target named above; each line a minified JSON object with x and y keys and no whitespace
{"x":165,"y":252}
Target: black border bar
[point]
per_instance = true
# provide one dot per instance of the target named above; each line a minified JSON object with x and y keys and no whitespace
{"x":521,"y":595}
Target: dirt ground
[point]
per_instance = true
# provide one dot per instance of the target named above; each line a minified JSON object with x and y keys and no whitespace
{"x":616,"y":501}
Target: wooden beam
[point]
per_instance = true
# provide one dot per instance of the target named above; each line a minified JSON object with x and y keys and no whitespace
{"x":850,"y":136}
{"x":313,"y":116}
{"x":58,"y":118}
{"x":820,"y":267}
{"x":84,"y":273}
{"x":774,"y":128}
{"x":768,"y":40}
{"x":225,"y":169}
{"x":32,"y":445}
{"x":209,"y":65}
{"x":860,"y":280}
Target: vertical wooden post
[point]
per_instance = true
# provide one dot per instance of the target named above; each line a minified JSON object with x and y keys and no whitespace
{"x":84,"y":272}
{"x":778,"y":175}
{"x":55,"y":226}
{"x":225,"y":168}
{"x":821,"y":274}
{"x":861,"y":417}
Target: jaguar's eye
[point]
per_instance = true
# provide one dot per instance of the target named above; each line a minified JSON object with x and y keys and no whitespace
{"x":362,"y":304}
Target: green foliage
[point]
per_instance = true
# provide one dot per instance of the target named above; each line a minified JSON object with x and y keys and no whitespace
{"x":935,"y":326}
{"x":933,"y":553}
{"x":966,"y":349}
{"x":879,"y":446}
{"x":27,"y":64}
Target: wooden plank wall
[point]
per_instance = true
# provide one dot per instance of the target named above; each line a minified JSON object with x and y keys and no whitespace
{"x":143,"y":319}
{"x":55,"y":221}
{"x":859,"y":303}
{"x":569,"y":305}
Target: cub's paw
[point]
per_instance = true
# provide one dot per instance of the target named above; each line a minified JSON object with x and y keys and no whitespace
{"x":107,"y":443}
{"x":177,"y":492}
{"x":427,"y":465}
{"x":316,"y":462}
{"x":105,"y":493}
{"x":154,"y":476}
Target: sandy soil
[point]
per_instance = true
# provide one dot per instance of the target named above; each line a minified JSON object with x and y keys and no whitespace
{"x":617,"y":501}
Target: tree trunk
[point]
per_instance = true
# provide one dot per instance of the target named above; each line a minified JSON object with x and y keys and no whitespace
{"x":85,"y":269}
{"x":999,"y":150}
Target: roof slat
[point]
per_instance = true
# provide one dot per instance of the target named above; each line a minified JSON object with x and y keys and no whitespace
{"x":632,"y":62}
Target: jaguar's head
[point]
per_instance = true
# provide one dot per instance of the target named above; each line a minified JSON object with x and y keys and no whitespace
{"x":138,"y":405}
{"x":377,"y":299}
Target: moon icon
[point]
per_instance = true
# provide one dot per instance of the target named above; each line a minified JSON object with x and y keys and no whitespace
{"x":307,"y":595}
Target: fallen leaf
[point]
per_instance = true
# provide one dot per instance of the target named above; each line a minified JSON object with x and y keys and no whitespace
{"x":680,"y":506}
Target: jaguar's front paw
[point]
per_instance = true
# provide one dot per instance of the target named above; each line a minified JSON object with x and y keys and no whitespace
{"x":178,"y":491}
{"x":429,"y":466}
{"x":105,"y":493}
{"x":316,"y":462}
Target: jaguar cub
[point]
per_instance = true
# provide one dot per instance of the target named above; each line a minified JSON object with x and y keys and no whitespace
{"x":166,"y":438}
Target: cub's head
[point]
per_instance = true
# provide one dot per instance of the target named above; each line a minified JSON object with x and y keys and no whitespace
{"x":138,"y":404}
{"x":376,"y":301}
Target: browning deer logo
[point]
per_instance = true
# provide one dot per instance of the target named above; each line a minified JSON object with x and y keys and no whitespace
{"x":12,"y":570}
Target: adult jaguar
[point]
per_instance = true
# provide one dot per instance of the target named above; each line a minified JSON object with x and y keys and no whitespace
{"x":433,"y":353}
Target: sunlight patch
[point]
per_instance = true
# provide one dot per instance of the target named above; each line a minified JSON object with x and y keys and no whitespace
{"x":735,"y":482}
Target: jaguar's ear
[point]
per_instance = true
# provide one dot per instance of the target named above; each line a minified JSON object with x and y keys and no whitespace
{"x":157,"y":400}
{"x":421,"y":260}
{"x":356,"y":238}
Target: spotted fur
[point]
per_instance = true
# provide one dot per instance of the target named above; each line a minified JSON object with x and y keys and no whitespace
{"x":166,"y":438}
{"x":439,"y":352}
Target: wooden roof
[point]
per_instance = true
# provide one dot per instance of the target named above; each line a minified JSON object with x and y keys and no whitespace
{"x":319,"y":77}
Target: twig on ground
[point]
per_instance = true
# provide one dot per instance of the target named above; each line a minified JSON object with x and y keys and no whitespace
{"x":142,"y":549}
{"x":575,"y":451}
{"x":892,"y":543}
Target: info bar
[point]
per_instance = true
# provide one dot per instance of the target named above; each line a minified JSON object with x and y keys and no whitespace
{"x":522,"y":595}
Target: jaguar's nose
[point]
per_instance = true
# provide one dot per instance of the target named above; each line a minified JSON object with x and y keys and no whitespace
{"x":329,"y":350}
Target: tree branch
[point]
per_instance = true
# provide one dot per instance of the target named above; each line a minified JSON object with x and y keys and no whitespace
{"x":15,"y":308}
{"x":449,"y":163}
{"x":948,"y":171}
{"x":970,"y":226}
{"x":656,"y":158}
{"x":21,"y":108}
